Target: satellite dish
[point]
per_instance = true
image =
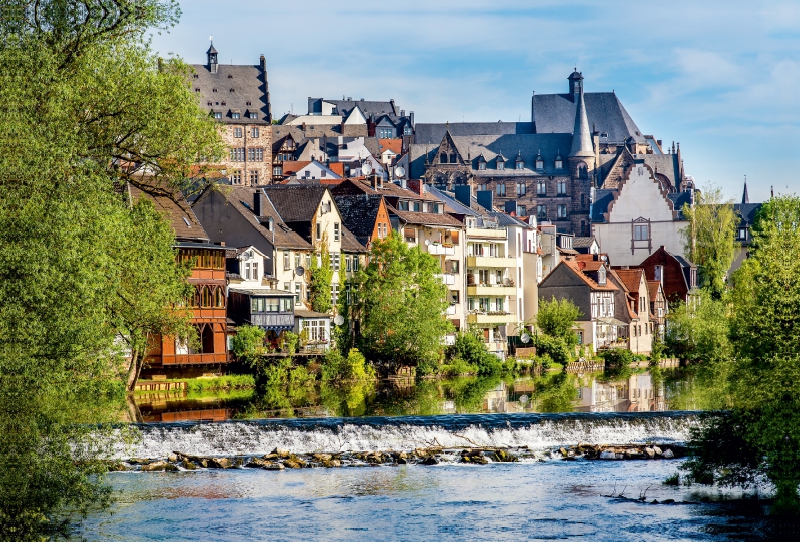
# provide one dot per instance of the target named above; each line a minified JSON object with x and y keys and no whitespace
{"x":300,"y":271}
{"x":339,"y":320}
{"x":525,"y":338}
{"x":523,"y":399}
{"x":366,"y":169}
{"x":427,"y":243}
{"x":400,"y":171}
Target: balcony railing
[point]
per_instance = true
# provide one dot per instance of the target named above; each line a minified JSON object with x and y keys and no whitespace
{"x":441,"y":250}
{"x":490,"y":261}
{"x":491,"y":290}
{"x":447,"y":279}
{"x":491,"y":317}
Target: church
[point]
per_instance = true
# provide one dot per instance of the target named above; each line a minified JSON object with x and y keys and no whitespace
{"x":577,"y":146}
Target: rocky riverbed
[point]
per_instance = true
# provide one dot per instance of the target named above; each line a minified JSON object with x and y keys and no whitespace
{"x":280,"y":459}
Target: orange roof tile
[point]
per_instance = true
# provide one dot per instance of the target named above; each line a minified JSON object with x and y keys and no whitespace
{"x":631,"y":278}
{"x":609,"y":287}
{"x":291,"y":166}
{"x":337,"y":168}
{"x":394,"y":144}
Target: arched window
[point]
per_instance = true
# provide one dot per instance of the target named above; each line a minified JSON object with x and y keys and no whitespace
{"x":443,"y":158}
{"x":453,"y":158}
{"x":219,"y":298}
{"x":206,"y":299}
{"x":582,"y":172}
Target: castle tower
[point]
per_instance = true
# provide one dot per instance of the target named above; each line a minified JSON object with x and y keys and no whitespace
{"x":581,"y":159}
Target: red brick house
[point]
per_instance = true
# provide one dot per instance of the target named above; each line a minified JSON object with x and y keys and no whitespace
{"x":677,"y":275}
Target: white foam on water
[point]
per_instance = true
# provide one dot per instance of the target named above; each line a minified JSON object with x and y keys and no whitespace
{"x":257,"y":438}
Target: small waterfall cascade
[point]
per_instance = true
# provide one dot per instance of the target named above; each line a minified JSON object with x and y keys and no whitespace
{"x":532,"y":431}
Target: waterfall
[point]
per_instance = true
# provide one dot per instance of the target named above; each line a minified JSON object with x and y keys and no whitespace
{"x":534,"y":431}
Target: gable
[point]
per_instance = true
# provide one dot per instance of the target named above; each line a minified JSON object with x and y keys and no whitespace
{"x":355,"y":117}
{"x":640,"y":195}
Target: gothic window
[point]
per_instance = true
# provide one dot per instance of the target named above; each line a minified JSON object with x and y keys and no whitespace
{"x":453,"y":158}
{"x":582,"y":172}
{"x":443,"y":158}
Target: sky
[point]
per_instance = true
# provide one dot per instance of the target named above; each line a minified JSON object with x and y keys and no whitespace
{"x":720,"y":77}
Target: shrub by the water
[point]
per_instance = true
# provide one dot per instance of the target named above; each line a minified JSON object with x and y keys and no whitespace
{"x":471,"y":350}
{"x":354,"y":367}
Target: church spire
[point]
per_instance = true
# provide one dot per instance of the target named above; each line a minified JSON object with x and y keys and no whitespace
{"x":745,"y":196}
{"x":581,"y":137}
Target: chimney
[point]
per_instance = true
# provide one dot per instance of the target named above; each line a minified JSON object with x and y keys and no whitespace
{"x":463,"y":194}
{"x":258,"y":202}
{"x":415,"y":185}
{"x":411,"y":117}
{"x":263,"y":62}
{"x":485,"y":199}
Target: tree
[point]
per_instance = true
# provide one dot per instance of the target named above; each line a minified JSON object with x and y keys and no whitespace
{"x":248,"y":343}
{"x":470,"y":348}
{"x":106,"y":112}
{"x":320,"y":277}
{"x":758,"y":437}
{"x":401,"y":305}
{"x":709,"y":239}
{"x":699,"y":330}
{"x":557,"y":318}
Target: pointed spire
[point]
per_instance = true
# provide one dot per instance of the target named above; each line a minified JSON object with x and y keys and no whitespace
{"x":745,"y":196}
{"x":581,"y":137}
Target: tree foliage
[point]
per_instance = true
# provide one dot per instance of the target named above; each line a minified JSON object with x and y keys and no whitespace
{"x":401,"y":305}
{"x":470,"y":349}
{"x":699,"y":330}
{"x":85,"y":275}
{"x":320,"y":278}
{"x":759,"y":437}
{"x":556,"y":318}
{"x":710,"y":238}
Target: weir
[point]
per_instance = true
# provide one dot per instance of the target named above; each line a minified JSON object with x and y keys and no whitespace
{"x":534,"y":431}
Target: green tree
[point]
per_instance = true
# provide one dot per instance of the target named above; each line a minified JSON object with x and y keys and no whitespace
{"x":320,"y":278}
{"x":74,"y":254}
{"x":710,"y":238}
{"x":699,"y":331}
{"x":248,"y":344}
{"x":401,"y":305}
{"x":759,"y":436}
{"x":557,"y":318}
{"x":470,"y":348}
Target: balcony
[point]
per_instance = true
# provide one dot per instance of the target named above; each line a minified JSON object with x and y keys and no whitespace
{"x":486,"y":233}
{"x":441,"y":250}
{"x":487,"y":261}
{"x":491,"y":318}
{"x":451,"y":310}
{"x":447,"y":279}
{"x":491,"y":290}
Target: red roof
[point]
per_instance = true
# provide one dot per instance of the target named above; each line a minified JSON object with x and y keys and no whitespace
{"x":291,"y":166}
{"x":631,"y":278}
{"x":394,"y":144}
{"x":576,"y":268}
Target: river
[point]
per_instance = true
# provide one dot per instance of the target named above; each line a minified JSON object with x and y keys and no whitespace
{"x":541,"y":497}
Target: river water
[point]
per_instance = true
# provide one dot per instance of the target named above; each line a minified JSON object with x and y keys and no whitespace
{"x":542,"y":497}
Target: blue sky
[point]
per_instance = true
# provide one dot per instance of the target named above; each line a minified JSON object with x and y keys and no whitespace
{"x":720,"y":77}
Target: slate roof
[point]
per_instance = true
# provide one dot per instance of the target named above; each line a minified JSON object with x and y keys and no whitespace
{"x":426,"y":219}
{"x":359,"y":214}
{"x":451,"y":203}
{"x":241,"y":198}
{"x":748,"y":212}
{"x":249,"y":84}
{"x":602,"y":199}
{"x":582,"y":242}
{"x":175,"y":208}
{"x":432,"y":133}
{"x":683,"y":261}
{"x":296,"y":202}
{"x":678,"y":200}
{"x":504,"y":219}
{"x":555,"y":113}
{"x":343,"y":107}
{"x":663,"y":164}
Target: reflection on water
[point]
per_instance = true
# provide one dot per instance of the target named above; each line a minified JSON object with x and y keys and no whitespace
{"x":644,"y":391}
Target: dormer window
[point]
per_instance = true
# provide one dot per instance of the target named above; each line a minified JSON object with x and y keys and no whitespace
{"x":234,"y":115}
{"x":407,"y":130}
{"x":481,"y":166}
{"x":253,"y":115}
{"x":520,"y":164}
{"x":601,"y":276}
{"x":217,"y":114}
{"x":539,"y":161}
{"x":443,"y":158}
{"x":559,"y":162}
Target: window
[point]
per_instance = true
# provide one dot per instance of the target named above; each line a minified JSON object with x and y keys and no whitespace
{"x":416,"y":206}
{"x":334,"y":293}
{"x":246,"y":271}
{"x":443,"y":158}
{"x":335,"y":231}
{"x":385,"y":133}
{"x":287,"y":260}
{"x":482,"y":186}
{"x":335,"y":259}
{"x":501,"y":165}
{"x":236,"y":176}
{"x":482,"y":166}
{"x":407,"y":130}
{"x":640,"y":232}
{"x":315,"y":329}
{"x":499,"y":304}
{"x":559,"y":163}
{"x":453,"y":158}
{"x":562,"y":211}
{"x":742,"y":233}
{"x":583,"y":200}
{"x":562,"y":188}
{"x":522,"y":210}
{"x":217,"y":115}
{"x":539,"y":163}
{"x":253,"y":115}
{"x":237,"y":154}
{"x":348,"y":261}
{"x":277,"y":170}
{"x":319,"y":231}
{"x":521,"y":189}
{"x":254,"y":177}
{"x":235,"y":116}
{"x":659,"y":273}
{"x":355,"y":263}
{"x":541,"y":211}
{"x":253,"y":131}
{"x":410,"y":235}
{"x":454,"y":266}
{"x":454,"y":296}
{"x":237,"y":132}
{"x":255,"y":154}
{"x":541,"y":188}
{"x":520,"y":164}
{"x":501,"y":189}
{"x":601,"y":275}
{"x":582,"y":172}
{"x":255,"y":270}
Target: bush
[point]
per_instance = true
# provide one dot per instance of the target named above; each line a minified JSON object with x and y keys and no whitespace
{"x":553,"y":347}
{"x":617,"y":358}
{"x":354,"y":367}
{"x":248,"y":343}
{"x":470,"y":348}
{"x":222,"y":383}
{"x":457,"y":367}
